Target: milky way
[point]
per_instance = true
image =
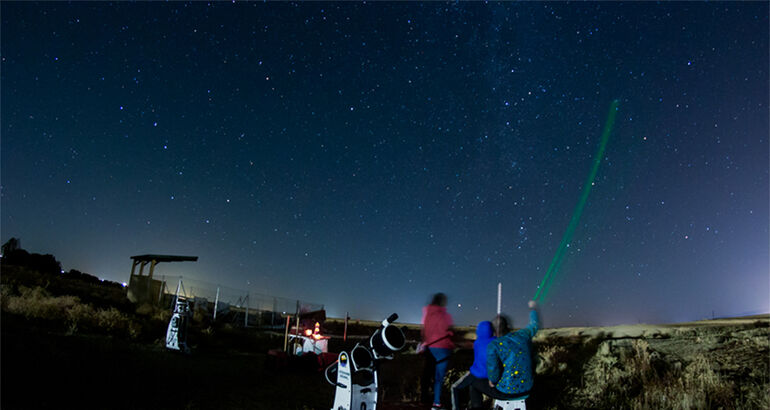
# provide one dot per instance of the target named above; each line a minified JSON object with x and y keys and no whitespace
{"x":366,"y":155}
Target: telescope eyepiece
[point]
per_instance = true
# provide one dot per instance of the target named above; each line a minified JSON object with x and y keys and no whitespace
{"x":388,"y":339}
{"x":392,"y":318}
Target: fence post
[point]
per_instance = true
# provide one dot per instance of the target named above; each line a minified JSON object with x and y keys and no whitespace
{"x":345,"y":332}
{"x":176,"y":295}
{"x":286,"y":333}
{"x":246,"y":320}
{"x":298,"y":331}
{"x":275,"y":307}
{"x":216,"y":302}
{"x":297,"y":314}
{"x":162,"y":286}
{"x":499,"y":304}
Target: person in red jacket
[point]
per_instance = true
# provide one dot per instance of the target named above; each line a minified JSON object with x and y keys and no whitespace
{"x":436,"y":336}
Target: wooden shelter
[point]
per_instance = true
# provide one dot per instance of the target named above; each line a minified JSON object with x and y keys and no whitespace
{"x":143,"y":288}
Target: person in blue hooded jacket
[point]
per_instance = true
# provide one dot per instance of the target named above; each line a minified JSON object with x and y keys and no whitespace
{"x":478,"y":372}
{"x":509,"y":361}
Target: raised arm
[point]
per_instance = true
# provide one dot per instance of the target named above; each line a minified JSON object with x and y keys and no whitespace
{"x":534,"y":323}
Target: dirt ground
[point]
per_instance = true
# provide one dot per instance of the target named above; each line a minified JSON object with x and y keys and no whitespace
{"x":44,"y":369}
{"x":712,"y":364}
{"x":98,"y":351}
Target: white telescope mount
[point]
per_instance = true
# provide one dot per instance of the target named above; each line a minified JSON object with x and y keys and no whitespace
{"x":176,"y":334}
{"x":357,"y":378}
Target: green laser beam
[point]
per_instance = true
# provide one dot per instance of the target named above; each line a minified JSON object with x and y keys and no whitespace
{"x":545,"y":284}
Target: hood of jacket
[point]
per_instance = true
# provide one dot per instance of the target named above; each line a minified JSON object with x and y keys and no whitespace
{"x":484,"y":330}
{"x":484,"y":335}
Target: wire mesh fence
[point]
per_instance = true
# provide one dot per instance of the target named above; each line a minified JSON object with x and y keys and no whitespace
{"x":241,"y":306}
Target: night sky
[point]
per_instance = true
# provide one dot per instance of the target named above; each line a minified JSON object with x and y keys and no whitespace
{"x":367,"y":155}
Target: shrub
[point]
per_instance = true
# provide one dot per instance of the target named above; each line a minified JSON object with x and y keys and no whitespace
{"x":112,"y":320}
{"x":552,"y":359}
{"x":145,"y":309}
{"x":78,"y":317}
{"x":134,"y":330}
{"x":36,"y":303}
{"x":163,"y":315}
{"x":5,"y":293}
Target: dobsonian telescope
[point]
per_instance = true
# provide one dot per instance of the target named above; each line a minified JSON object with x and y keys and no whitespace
{"x":176,"y":335}
{"x":357,"y":371}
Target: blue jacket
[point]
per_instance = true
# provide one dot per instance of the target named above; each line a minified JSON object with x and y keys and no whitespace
{"x":509,"y":359}
{"x":483,"y":337}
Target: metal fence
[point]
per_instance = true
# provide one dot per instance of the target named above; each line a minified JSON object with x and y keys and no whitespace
{"x":241,"y":306}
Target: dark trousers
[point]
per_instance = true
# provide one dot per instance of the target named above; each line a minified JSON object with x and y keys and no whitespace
{"x":426,"y":381}
{"x":441,"y":355}
{"x":482,"y":386}
{"x":463,"y":383}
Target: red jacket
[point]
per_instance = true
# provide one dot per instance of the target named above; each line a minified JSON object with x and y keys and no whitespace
{"x":436,"y":322}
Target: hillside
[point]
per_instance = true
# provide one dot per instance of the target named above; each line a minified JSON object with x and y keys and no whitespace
{"x":85,"y":346}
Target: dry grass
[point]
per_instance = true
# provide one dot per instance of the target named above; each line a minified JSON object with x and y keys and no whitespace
{"x":37,"y":304}
{"x":708,"y":368}
{"x":698,"y":386}
{"x":626,"y":373}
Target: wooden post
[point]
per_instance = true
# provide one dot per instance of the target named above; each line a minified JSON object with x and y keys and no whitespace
{"x":298,"y":331}
{"x":286,"y":334}
{"x":499,"y":305}
{"x":152,"y":267}
{"x":162,"y":286}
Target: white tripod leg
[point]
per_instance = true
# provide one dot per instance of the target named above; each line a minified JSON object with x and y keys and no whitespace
{"x":344,"y":393}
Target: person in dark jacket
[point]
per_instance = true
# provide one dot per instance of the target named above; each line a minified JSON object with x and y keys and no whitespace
{"x":509,"y":361}
{"x":478,"y":371}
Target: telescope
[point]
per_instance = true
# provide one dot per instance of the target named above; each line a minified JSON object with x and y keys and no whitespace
{"x":176,"y":334}
{"x":356,"y":382}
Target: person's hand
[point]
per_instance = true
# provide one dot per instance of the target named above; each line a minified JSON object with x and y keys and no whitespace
{"x":492,"y":385}
{"x":532,"y":304}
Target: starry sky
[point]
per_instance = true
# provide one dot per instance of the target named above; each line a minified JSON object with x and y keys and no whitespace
{"x":367,"y":155}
